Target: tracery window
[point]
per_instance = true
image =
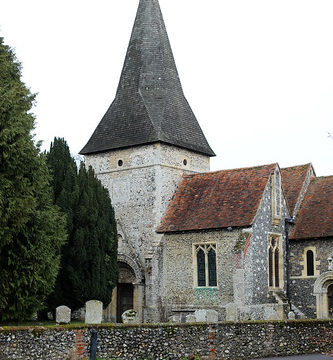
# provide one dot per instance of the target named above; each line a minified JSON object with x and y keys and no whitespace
{"x":274,"y":261}
{"x":205,"y":265}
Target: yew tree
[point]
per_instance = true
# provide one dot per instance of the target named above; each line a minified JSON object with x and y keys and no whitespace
{"x":89,"y":258}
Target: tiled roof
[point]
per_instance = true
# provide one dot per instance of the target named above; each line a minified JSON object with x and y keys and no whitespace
{"x":150,"y":105}
{"x":315,"y":217}
{"x":228,"y":198}
{"x":293,"y":179}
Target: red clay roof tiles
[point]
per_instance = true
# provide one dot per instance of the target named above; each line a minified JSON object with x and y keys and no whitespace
{"x":227,"y":198}
{"x":315,"y":217}
{"x":293,"y":179}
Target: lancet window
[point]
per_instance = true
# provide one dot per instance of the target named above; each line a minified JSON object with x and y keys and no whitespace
{"x":205,"y":265}
{"x":274,"y":262}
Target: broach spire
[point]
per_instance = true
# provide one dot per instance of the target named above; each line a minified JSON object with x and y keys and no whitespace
{"x":150,"y":105}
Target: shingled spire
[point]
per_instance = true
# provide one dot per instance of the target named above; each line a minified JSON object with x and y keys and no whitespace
{"x":150,"y":105}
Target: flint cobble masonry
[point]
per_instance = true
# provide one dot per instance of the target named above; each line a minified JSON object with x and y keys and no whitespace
{"x":170,"y":342}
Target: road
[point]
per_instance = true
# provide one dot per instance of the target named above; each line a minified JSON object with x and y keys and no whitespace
{"x":302,"y":357}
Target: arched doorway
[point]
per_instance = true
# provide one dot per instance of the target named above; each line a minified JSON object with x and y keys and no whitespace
{"x":125,"y":290}
{"x":323,"y":290}
{"x":129,"y":292}
{"x":330,"y":300}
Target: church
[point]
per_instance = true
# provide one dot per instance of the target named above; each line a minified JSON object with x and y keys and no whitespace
{"x":251,"y":243}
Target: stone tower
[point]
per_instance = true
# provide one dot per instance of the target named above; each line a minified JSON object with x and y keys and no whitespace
{"x":148,"y":138}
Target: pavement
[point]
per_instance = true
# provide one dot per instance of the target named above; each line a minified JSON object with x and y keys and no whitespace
{"x":303,"y":357}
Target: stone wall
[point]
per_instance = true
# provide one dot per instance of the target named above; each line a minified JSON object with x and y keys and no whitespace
{"x":179,"y":292}
{"x":243,"y":291}
{"x":302,"y":286}
{"x":256,"y":260}
{"x":141,"y":181}
{"x":170,"y":342}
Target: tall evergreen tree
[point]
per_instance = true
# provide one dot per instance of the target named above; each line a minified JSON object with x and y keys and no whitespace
{"x":32,"y":229}
{"x":65,"y":194}
{"x":89,"y":259}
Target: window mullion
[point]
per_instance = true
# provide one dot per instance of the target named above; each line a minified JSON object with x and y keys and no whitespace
{"x":206,"y":266}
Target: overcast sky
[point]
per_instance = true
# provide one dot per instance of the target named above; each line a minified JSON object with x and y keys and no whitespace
{"x":258,"y":74}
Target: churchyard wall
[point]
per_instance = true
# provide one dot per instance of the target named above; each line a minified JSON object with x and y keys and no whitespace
{"x":246,"y":340}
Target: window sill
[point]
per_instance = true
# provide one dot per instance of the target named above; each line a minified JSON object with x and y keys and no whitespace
{"x":206,"y":287}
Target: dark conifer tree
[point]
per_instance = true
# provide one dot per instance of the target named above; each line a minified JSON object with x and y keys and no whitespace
{"x":32,"y":229}
{"x":65,"y":194}
{"x":89,"y":259}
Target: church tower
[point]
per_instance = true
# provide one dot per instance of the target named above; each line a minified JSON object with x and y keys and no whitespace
{"x":148,"y":138}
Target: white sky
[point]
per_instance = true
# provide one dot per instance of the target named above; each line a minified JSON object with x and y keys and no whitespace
{"x":258,"y":74}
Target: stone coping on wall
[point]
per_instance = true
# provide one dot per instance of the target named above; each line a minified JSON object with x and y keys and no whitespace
{"x":75,"y":326}
{"x":227,"y":340}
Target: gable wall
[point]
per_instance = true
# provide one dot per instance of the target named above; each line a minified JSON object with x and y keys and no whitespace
{"x":308,"y":178}
{"x":256,"y":260}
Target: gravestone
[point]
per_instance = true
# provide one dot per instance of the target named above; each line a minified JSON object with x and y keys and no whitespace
{"x":291,"y":315}
{"x":210,"y":316}
{"x":174,"y":319}
{"x":191,"y":318}
{"x":94,"y":312}
{"x":63,"y":315}
{"x":130,"y":317}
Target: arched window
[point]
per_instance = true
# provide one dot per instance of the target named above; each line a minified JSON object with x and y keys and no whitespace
{"x":274,"y":262}
{"x":205,"y":256}
{"x":309,"y":263}
{"x":212,"y":267}
{"x":201,"y":268}
{"x":270,"y":266}
{"x":277,"y":267}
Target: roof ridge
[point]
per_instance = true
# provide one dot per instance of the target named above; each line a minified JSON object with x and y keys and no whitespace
{"x":296,"y":166}
{"x":322,"y":177}
{"x":235,"y":169}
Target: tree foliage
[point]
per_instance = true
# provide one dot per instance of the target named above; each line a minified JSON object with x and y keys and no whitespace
{"x":32,"y":229}
{"x":89,"y":259}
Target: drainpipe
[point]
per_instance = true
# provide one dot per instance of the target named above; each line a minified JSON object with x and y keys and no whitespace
{"x":288,"y":223}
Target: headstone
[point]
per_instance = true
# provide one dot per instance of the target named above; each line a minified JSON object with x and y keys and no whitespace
{"x":63,"y":315}
{"x":130,"y":317}
{"x":210,"y":316}
{"x":79,"y":315}
{"x":291,"y":315}
{"x":174,"y":319}
{"x":49,"y":315}
{"x":200,"y":315}
{"x":94,"y":312}
{"x":191,"y":318}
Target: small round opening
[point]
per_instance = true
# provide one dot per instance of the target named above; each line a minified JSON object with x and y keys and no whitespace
{"x":185,"y":162}
{"x":120,"y":163}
